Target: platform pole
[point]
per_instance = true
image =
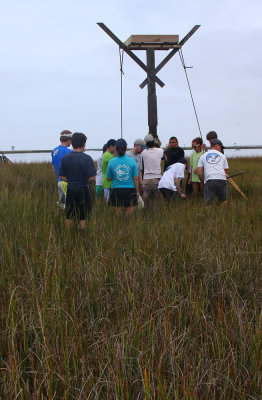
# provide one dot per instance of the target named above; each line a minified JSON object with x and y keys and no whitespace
{"x":151,"y":94}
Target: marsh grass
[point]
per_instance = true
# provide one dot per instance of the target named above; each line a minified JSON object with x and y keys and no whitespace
{"x":165,"y":304}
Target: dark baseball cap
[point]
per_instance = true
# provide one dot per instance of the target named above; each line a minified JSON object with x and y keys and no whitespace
{"x":217,"y":141}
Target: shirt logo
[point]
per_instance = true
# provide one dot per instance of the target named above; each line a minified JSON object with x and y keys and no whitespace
{"x":213,"y":158}
{"x":122,"y":172}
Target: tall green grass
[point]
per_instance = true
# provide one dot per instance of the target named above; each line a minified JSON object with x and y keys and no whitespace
{"x":165,"y":304}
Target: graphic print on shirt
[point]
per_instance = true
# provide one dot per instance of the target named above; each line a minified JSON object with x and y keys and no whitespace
{"x":213,"y":158}
{"x":122,"y":172}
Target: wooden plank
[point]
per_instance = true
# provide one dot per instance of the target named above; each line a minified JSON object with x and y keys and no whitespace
{"x":151,"y":39}
{"x":172,"y":53}
{"x":161,"y":46}
{"x":132,"y":55}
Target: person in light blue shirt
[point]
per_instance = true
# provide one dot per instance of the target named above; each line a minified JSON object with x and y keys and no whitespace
{"x":57,"y":154}
{"x":122,"y":171}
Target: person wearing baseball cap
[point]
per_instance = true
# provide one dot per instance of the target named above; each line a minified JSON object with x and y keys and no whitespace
{"x":152,"y":168}
{"x":122,"y":172}
{"x":217,"y":141}
{"x":57,"y":154}
{"x":212,"y":170}
{"x":135,"y":153}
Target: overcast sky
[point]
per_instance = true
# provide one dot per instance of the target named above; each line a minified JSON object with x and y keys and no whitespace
{"x":59,"y":70}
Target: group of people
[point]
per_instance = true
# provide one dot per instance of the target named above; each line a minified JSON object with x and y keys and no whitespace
{"x":128,"y":178}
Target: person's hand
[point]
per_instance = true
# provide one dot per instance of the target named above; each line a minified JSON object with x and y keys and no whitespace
{"x":189,"y":181}
{"x":195,"y":170}
{"x":183,"y":196}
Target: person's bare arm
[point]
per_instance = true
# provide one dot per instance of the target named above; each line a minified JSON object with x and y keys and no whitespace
{"x":91,"y":179}
{"x":178,"y":188}
{"x":200,"y":171}
{"x":140,"y":179}
{"x":136,"y":182}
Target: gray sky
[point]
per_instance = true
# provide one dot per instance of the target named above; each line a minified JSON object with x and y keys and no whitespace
{"x":59,"y":70}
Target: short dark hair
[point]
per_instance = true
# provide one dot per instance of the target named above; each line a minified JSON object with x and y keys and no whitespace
{"x":111,"y":142}
{"x":104,"y":148}
{"x":211,"y":135}
{"x":150,"y":144}
{"x":78,"y":140}
{"x":173,"y":138}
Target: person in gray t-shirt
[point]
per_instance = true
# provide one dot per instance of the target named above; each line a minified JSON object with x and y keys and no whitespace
{"x":135,"y":153}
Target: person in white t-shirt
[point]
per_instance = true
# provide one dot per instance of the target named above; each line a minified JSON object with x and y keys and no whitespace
{"x":169,"y":185}
{"x":151,"y":157}
{"x":212,"y":170}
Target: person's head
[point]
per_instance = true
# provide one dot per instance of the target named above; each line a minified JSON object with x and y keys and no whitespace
{"x":183,"y":161}
{"x":149,"y":140}
{"x":78,"y":140}
{"x":217,"y":145}
{"x":211,"y":135}
{"x":111,"y":146}
{"x":157,"y":142}
{"x":139,"y":146}
{"x":197,"y":144}
{"x":65,"y":138}
{"x":173,"y":142}
{"x":104,"y":148}
{"x":121,"y":147}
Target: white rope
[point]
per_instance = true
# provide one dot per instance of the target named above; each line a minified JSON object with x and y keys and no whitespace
{"x":185,"y":69}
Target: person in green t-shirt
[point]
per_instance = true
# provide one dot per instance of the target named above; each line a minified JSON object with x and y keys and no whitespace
{"x":108,"y":155}
{"x":197,"y":185}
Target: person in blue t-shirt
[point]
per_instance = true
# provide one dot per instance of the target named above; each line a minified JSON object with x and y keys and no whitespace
{"x":57,"y":154}
{"x":122,"y":171}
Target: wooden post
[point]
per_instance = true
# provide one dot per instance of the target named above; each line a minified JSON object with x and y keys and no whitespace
{"x":151,"y":94}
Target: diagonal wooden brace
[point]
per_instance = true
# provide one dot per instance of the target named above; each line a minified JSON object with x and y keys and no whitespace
{"x":151,"y":74}
{"x":172,"y":53}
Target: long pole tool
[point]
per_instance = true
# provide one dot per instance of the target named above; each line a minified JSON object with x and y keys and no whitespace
{"x":233,"y":183}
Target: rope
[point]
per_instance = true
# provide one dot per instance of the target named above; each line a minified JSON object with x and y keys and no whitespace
{"x":185,"y":69}
{"x":121,"y":59}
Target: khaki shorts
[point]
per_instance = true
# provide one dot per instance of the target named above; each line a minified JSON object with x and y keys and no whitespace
{"x":150,"y":189}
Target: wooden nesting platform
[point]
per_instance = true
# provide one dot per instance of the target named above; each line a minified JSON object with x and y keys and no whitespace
{"x":156,"y":42}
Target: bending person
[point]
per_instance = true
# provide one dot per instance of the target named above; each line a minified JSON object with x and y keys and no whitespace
{"x":122,"y":171}
{"x":169,"y":185}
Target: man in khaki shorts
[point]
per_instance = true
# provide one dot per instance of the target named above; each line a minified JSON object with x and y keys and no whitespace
{"x":151,"y":157}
